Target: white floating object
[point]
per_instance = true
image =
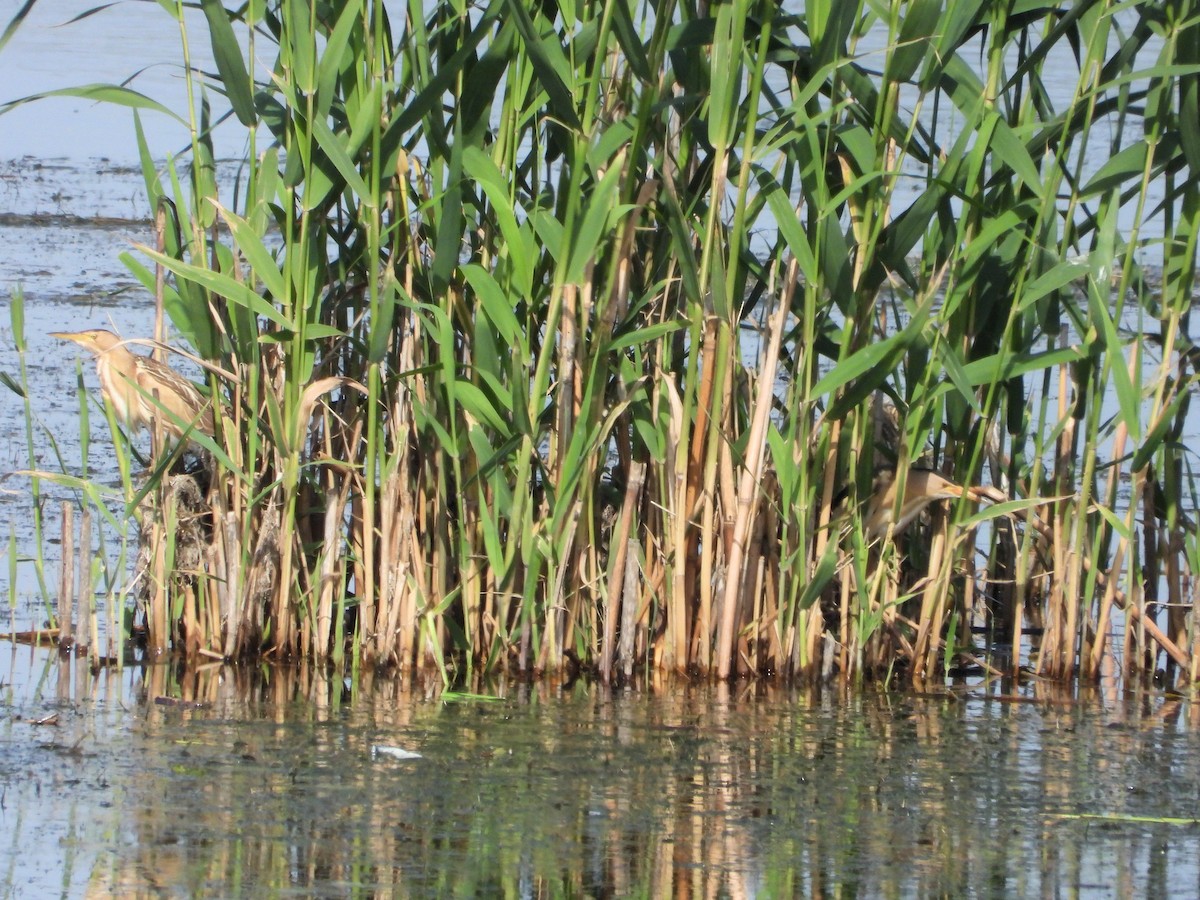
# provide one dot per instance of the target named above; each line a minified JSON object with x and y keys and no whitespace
{"x":393,"y":752}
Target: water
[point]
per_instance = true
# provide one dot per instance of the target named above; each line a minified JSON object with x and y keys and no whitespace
{"x":232,"y":782}
{"x":136,"y":43}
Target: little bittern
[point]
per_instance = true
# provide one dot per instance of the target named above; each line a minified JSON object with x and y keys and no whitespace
{"x":921,"y":487}
{"x":140,"y":389}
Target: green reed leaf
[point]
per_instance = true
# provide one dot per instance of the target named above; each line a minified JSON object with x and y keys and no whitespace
{"x":790,"y":225}
{"x":1189,"y":90}
{"x":627,"y":36}
{"x":334,"y":56}
{"x":334,"y":146}
{"x":227,"y":54}
{"x":1009,"y":150}
{"x":100,"y":93}
{"x":1099,"y":296}
{"x":223,"y":285}
{"x":1059,"y":276}
{"x":726,"y":73}
{"x":948,"y":359}
{"x":496,"y":305}
{"x":600,"y":215}
{"x":1114,"y":521}
{"x":830,"y":23}
{"x":492,"y":543}
{"x":549,"y":62}
{"x":870,"y":366}
{"x":1118,"y":170}
{"x":1163,"y":426}
{"x":518,"y":247}
{"x":921,"y":21}
{"x":1006,"y":366}
{"x":15,"y":22}
{"x":262,"y":262}
{"x":301,"y":44}
{"x":480,"y":406}
{"x":11,"y":383}
{"x":826,"y":568}
{"x":643,"y":336}
{"x":16,"y":319}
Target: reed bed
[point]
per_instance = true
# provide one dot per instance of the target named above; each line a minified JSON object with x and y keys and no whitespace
{"x":577,"y":335}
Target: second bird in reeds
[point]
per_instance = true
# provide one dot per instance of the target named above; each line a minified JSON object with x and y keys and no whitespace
{"x":141,"y":389}
{"x":921,"y":487}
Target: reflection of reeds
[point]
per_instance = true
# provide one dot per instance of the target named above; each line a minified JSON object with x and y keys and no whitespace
{"x":498,"y":408}
{"x":677,"y":791}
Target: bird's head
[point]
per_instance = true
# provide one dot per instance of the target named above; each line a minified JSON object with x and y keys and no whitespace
{"x":97,"y":340}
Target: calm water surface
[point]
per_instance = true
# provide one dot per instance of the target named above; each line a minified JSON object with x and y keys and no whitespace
{"x":265,"y":783}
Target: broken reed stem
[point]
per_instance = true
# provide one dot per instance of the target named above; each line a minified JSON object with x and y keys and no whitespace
{"x":86,"y":595}
{"x":329,"y":579}
{"x":620,"y":544}
{"x":66,"y":579}
{"x":932,"y":600}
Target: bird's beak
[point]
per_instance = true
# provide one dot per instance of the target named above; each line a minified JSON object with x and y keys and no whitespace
{"x":82,"y":338}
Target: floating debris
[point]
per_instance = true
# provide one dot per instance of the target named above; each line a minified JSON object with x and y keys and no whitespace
{"x":393,"y":752}
{"x":41,"y":637}
{"x":182,"y":704}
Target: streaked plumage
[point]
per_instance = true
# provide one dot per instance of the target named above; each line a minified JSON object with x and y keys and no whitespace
{"x":921,"y":488}
{"x":140,"y":388}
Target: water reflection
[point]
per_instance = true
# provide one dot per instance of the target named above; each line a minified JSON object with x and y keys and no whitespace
{"x":251,"y":782}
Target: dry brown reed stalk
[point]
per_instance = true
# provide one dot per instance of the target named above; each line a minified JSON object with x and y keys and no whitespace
{"x":66,"y":578}
{"x":748,"y":495}
{"x":932,"y":599}
{"x":85,"y":591}
{"x":1122,"y":602}
{"x":1065,"y":588}
{"x":623,"y":572}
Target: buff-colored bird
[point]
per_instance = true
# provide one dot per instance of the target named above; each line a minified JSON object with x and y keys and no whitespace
{"x":921,"y":488}
{"x":142,"y":389}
